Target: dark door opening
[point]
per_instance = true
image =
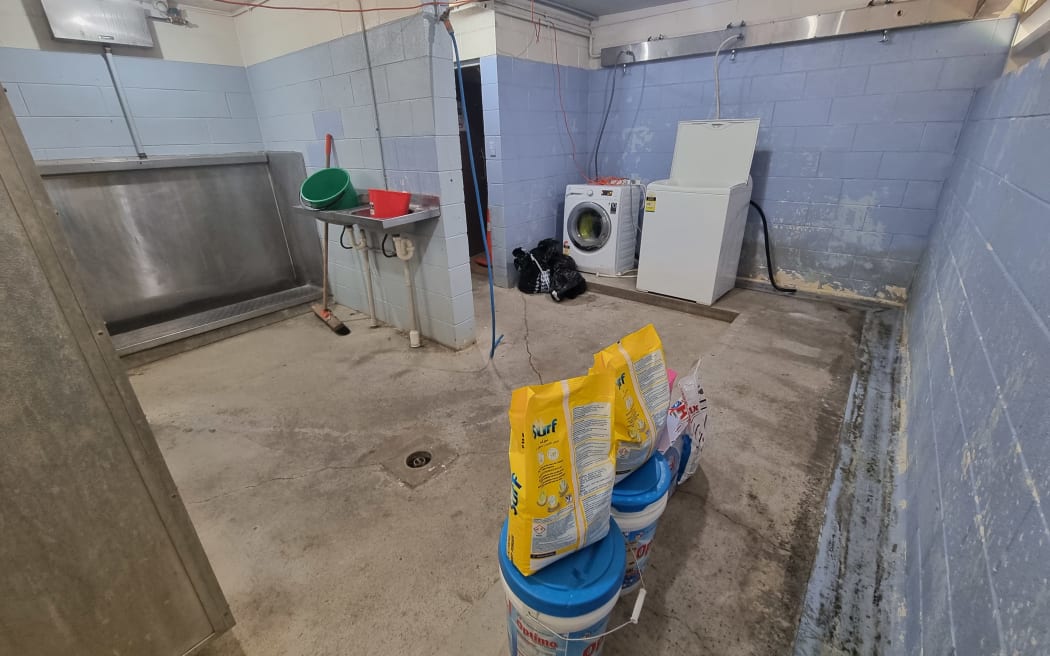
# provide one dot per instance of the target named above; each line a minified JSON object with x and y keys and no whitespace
{"x":472,"y":86}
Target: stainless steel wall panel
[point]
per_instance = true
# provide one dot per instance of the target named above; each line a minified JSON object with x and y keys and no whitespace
{"x":98,"y":554}
{"x":49,"y":168}
{"x":157,"y":244}
{"x":890,"y":16}
{"x":287,"y":172}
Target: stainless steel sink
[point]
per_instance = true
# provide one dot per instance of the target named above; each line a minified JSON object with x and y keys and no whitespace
{"x":421,"y":208}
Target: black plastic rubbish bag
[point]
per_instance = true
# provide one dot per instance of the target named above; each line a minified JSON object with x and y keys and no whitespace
{"x":566,"y":280}
{"x":532,"y":277}
{"x":545,"y":269}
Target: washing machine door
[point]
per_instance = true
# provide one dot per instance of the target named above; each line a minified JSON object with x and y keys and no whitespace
{"x":588,"y":227}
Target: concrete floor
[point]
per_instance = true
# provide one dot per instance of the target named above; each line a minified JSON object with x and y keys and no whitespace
{"x":288,"y":445}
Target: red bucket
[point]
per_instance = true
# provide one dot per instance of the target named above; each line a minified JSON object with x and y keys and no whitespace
{"x":387,"y":204}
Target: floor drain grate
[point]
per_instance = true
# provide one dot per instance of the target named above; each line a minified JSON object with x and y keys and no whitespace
{"x":418,"y":459}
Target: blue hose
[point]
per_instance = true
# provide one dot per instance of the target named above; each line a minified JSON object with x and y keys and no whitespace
{"x":477,"y":190}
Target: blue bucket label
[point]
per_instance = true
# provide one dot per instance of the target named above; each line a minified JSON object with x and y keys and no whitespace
{"x":528,"y":638}
{"x":639,"y":548}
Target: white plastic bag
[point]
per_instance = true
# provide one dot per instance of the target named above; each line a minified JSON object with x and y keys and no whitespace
{"x":687,"y":422}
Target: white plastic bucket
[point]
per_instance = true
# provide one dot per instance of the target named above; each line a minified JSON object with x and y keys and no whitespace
{"x":637,"y":505}
{"x":563,"y":609}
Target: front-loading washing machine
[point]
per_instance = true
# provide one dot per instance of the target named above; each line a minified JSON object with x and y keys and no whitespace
{"x":601,"y":227}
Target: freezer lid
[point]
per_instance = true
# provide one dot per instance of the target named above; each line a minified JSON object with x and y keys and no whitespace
{"x":714,"y":153}
{"x":666,"y":186}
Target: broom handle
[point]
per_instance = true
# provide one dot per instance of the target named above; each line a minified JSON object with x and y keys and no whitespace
{"x":324,"y":244}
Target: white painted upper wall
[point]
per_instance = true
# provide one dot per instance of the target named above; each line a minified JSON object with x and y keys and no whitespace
{"x":254,"y":35}
{"x":210,"y":40}
{"x":268,"y":33}
{"x":480,"y":31}
{"x":517,"y":37}
{"x":475,"y":31}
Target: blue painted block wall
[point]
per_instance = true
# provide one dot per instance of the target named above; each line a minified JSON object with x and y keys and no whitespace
{"x":328,"y":88}
{"x":977,"y":471}
{"x":529,"y":153}
{"x":857,"y":139}
{"x":66,"y":105}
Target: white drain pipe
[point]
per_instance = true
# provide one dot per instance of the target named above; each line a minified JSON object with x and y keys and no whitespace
{"x":359,"y":238}
{"x":405,"y":249}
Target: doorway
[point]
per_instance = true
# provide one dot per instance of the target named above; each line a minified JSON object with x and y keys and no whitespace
{"x":475,"y":109}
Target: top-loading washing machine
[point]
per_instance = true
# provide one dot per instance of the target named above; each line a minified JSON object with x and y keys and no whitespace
{"x":601,"y":227}
{"x":694,"y":222}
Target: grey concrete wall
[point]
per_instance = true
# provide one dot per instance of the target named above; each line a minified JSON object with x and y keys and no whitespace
{"x":327,"y":89}
{"x":977,"y":464}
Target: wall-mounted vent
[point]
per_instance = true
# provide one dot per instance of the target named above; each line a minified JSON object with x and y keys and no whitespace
{"x":113,"y":22}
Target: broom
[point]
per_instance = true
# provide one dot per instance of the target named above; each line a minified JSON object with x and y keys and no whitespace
{"x":321,"y":309}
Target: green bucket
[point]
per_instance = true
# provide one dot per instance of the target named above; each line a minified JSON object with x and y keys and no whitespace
{"x":329,"y":189}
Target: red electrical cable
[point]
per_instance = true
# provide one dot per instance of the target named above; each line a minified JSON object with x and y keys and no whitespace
{"x":565,"y":114}
{"x":535,"y":23}
{"x":568,"y":131}
{"x":259,"y":5}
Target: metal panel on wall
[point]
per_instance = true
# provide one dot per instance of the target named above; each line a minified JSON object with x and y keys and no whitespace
{"x":98,"y":553}
{"x":155,"y":244}
{"x":112,"y":22}
{"x":875,"y":17}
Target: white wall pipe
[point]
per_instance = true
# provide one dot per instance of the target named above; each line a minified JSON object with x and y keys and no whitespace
{"x":359,"y":238}
{"x":405,"y":249}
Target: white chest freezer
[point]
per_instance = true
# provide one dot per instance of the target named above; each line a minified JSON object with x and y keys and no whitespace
{"x":693,"y":226}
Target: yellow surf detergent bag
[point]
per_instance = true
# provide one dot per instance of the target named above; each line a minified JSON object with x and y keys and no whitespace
{"x":561,"y":469}
{"x":637,"y":365}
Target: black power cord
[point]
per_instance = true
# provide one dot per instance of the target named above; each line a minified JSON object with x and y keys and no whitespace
{"x":769,"y":256}
{"x":382,"y":247}
{"x":343,"y":243}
